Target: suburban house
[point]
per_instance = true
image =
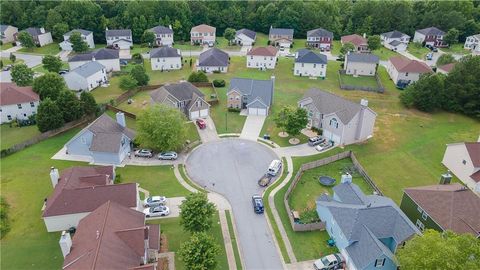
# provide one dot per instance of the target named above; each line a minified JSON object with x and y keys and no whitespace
{"x":471,"y":43}
{"x":361,"y":64}
{"x":280,"y":37}
{"x":184,"y":96}
{"x":165,"y":58}
{"x":163,"y":35}
{"x":404,"y":71}
{"x":86,"y":36}
{"x":213,"y":60}
{"x":320,"y":38}
{"x":245,"y":37}
{"x":107,"y":57}
{"x":445,"y":69}
{"x":430,"y":36}
{"x":360,"y":42}
{"x":78,"y":191}
{"x":17,"y":102}
{"x":119,"y":38}
{"x":262,"y":57}
{"x":7,"y":33}
{"x":256,"y":96}
{"x":342,"y":121}
{"x":443,"y":207}
{"x":395,"y":41}
{"x":310,"y":64}
{"x":104,"y":141}
{"x":86,"y":77}
{"x":203,"y":35}
{"x":39,"y":35}
{"x":463,"y":160}
{"x":112,"y":237}
{"x":367,"y":229}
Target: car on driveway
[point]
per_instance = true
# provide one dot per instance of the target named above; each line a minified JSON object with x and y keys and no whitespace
{"x":315,"y":140}
{"x":257,"y":204}
{"x":167,"y":155}
{"x":7,"y":68}
{"x":144,"y":153}
{"x":156,"y":211}
{"x":201,"y":123}
{"x":154,"y":201}
{"x":329,"y":262}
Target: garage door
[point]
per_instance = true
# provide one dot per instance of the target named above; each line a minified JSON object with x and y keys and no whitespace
{"x":261,"y":111}
{"x":252,"y":111}
{"x":204,"y":113}
{"x":329,"y":135}
{"x":194,"y":115}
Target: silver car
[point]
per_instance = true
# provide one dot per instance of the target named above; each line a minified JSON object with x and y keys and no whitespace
{"x":167,"y":155}
{"x":154,"y":201}
{"x":157,"y":211}
{"x":144,"y":153}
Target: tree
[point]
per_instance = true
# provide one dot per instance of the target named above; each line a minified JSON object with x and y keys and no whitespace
{"x":89,"y":105}
{"x":451,"y":37}
{"x":425,"y":93}
{"x":69,"y":105}
{"x":200,"y":252}
{"x":148,"y":38}
{"x":59,"y":29}
{"x":229,"y":34}
{"x":347,"y":47}
{"x":296,"y":121}
{"x":78,"y":44}
{"x":52,"y":63}
{"x":128,"y":83}
{"x":26,"y":40}
{"x":49,"y":116}
{"x":374,"y":42}
{"x":22,"y":75}
{"x":196,"y":212}
{"x":281,"y":118}
{"x":444,"y":59}
{"x":440,"y":250}
{"x":140,"y":75}
{"x":49,"y":85}
{"x":13,"y":58}
{"x":198,"y":76}
{"x":137,"y":57}
{"x":162,"y":128}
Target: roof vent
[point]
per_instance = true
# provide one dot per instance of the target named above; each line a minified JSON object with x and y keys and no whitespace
{"x":98,"y":234}
{"x":364,"y":102}
{"x":446,"y":178}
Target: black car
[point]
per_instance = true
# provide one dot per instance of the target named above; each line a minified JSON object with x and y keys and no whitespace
{"x":257,"y":204}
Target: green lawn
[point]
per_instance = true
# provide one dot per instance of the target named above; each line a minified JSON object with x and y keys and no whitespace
{"x":238,"y":261}
{"x":185,"y":46}
{"x":369,"y":81}
{"x":261,"y":40}
{"x":222,"y":44}
{"x":456,"y":49}
{"x":6,"y":61}
{"x":13,"y":135}
{"x":298,"y":44}
{"x":192,"y":132}
{"x":385,"y":53}
{"x":51,"y":49}
{"x":40,"y":68}
{"x":140,"y":102}
{"x":417,"y":50}
{"x":105,"y":94}
{"x":6,"y":46}
{"x":336,"y":46}
{"x":208,"y":92}
{"x":139,"y":48}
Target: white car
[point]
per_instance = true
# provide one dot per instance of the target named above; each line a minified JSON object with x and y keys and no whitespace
{"x":154,"y":201}
{"x":329,"y":262}
{"x":156,"y":211}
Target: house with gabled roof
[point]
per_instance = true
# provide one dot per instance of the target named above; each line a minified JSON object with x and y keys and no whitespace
{"x":310,"y":64}
{"x":112,"y":237}
{"x":262,"y":57}
{"x":463,"y":160}
{"x":280,"y":37}
{"x":17,"y":102}
{"x":165,"y":58}
{"x":367,"y":229}
{"x":245,"y":37}
{"x":255,"y":96}
{"x":445,"y":69}
{"x":342,"y":121}
{"x":404,"y":71}
{"x":430,"y":36}
{"x":395,"y":40}
{"x":203,"y":34}
{"x":213,"y":60}
{"x":472,"y":43}
{"x":87,"y":37}
{"x":40,"y":36}
{"x":185,"y":97}
{"x":109,"y":58}
{"x":163,"y":35}
{"x":104,"y":141}
{"x":80,"y":190}
{"x":7,"y":33}
{"x":361,"y":64}
{"x":86,"y":77}
{"x":360,"y":42}
{"x":320,"y":38}
{"x":119,"y":38}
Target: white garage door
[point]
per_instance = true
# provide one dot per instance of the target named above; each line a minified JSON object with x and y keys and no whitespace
{"x":252,"y":111}
{"x":262,"y":111}
{"x":329,"y":135}
{"x":204,"y":113}
{"x":194,"y":115}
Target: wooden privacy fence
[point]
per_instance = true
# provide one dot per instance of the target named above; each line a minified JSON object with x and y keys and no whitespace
{"x":115,"y":109}
{"x":212,"y":101}
{"x":130,"y":93}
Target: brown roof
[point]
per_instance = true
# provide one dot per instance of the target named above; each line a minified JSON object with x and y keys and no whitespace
{"x":447,"y":67}
{"x":203,"y":28}
{"x":111,"y":237}
{"x":453,"y":207}
{"x":10,"y":94}
{"x":473,"y":149}
{"x":355,"y":39}
{"x":83,"y":189}
{"x":476,"y":176}
{"x":403,"y":64}
{"x":263,"y":51}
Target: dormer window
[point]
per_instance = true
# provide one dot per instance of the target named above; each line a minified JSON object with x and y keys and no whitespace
{"x":379,"y":262}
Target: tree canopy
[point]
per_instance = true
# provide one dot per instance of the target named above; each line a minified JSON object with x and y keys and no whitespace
{"x":89,"y":105}
{"x":49,"y":116}
{"x":374,"y":42}
{"x":200,"y":252}
{"x":22,"y":75}
{"x":444,"y":59}
{"x":26,"y":40}
{"x":49,"y":85}
{"x":198,"y":76}
{"x":127,"y":82}
{"x":140,"y":75}
{"x":347,"y":47}
{"x":69,"y":105}
{"x":52,"y":63}
{"x":78,"y":44}
{"x":297,"y":120}
{"x":196,"y":212}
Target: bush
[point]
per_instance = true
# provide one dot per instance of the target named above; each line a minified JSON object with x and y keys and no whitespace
{"x":219,"y":83}
{"x":216,"y":71}
{"x":198,"y":76}
{"x":234,"y":110}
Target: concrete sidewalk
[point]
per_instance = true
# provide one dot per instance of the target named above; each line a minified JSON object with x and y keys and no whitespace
{"x":252,"y":127}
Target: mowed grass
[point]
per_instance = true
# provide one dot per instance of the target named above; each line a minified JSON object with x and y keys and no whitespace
{"x":6,"y":46}
{"x":13,"y":135}
{"x":368,"y":81}
{"x":417,"y":50}
{"x":6,"y":61}
{"x":185,"y":46}
{"x":140,"y":101}
{"x":456,"y":49}
{"x":51,"y":49}
{"x":41,"y":69}
{"x":385,"y":53}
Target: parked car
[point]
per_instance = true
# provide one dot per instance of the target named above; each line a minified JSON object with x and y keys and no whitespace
{"x":144,"y":153}
{"x":329,"y":262}
{"x":7,"y":67}
{"x":201,"y":123}
{"x":429,"y":56}
{"x":154,"y":201}
{"x":168,"y":155}
{"x":315,"y":140}
{"x":274,"y":167}
{"x":257,"y":204}
{"x":157,"y":211}
{"x":123,"y":62}
{"x":324,"y":145}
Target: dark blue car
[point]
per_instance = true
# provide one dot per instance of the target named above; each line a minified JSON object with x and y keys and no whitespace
{"x":257,"y":204}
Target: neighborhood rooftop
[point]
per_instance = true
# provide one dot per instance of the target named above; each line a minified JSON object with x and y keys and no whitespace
{"x":363,"y":58}
{"x":203,"y":28}
{"x":281,"y":31}
{"x":12,"y":94}
{"x":88,"y":69}
{"x":118,"y":32}
{"x":309,"y":56}
{"x":164,"y":52}
{"x":181,"y":91}
{"x":404,"y":64}
{"x":249,"y":33}
{"x":394,"y":34}
{"x":34,"y":31}
{"x":81,"y":31}
{"x":161,"y":30}
{"x":100,"y":54}
{"x":213,"y":57}
{"x":431,"y":31}
{"x":263,"y":51}
{"x":355,"y":39}
{"x":254,"y":89}
{"x":320,"y":32}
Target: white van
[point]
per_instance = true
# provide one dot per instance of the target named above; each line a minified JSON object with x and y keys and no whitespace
{"x":274,"y":167}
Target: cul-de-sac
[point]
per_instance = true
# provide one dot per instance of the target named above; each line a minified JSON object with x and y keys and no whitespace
{"x":256,"y":135}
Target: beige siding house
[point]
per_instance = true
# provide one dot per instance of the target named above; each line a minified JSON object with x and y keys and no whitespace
{"x":280,"y":37}
{"x":203,"y":35}
{"x":8,"y":33}
{"x":361,"y":64}
{"x":463,"y":160}
{"x":404,"y":70}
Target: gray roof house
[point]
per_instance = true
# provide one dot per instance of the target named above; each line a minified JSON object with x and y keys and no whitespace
{"x":309,"y":56}
{"x":163,"y":35}
{"x":110,"y":58}
{"x":430,"y":36}
{"x":87,"y":37}
{"x":184,"y":96}
{"x":310,"y":64}
{"x":320,"y":38}
{"x":165,"y":58}
{"x":395,"y":40}
{"x":86,"y":77}
{"x":281,"y":37}
{"x":40,"y":36}
{"x":7,"y":33}
{"x":245,"y":37}
{"x":119,"y":38}
{"x":213,"y":60}
{"x":342,"y":121}
{"x":256,"y":96}
{"x":104,"y":141}
{"x":361,"y":64}
{"x":367,"y":229}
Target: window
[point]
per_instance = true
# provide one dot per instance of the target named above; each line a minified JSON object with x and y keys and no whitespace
{"x":303,"y":65}
{"x":19,"y":106}
{"x":380,"y":262}
{"x":464,"y":162}
{"x":424,"y":215}
{"x":84,"y":141}
{"x":9,"y":117}
{"x":419,"y":209}
{"x":32,"y":104}
{"x":334,"y":122}
{"x":420,"y":225}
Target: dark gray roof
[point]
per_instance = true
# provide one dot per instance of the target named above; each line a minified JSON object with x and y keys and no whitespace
{"x":253,"y":89}
{"x":118,"y":32}
{"x":161,"y":30}
{"x":395,"y":43}
{"x":33,"y":31}
{"x":362,"y":58}
{"x":81,"y":31}
{"x":319,"y":32}
{"x":394,"y":34}
{"x":213,"y":58}
{"x":247,"y":32}
{"x":182,"y":91}
{"x":308,"y":56}
{"x":3,"y":27}
{"x":100,"y":54}
{"x":281,"y":31}
{"x":431,"y":31}
{"x":164,"y":52}
{"x":350,"y":194}
{"x":88,"y":69}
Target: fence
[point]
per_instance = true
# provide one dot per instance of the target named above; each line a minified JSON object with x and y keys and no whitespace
{"x":213,"y":101}
{"x":115,"y":109}
{"x":130,"y":93}
{"x":379,"y":89}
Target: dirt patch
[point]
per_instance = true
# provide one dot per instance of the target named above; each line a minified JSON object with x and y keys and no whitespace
{"x":294,"y":141}
{"x":282,"y":134}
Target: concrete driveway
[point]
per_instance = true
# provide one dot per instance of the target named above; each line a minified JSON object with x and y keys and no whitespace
{"x":209,"y":133}
{"x":173,"y":205}
{"x":232,"y":168}
{"x":252,"y":127}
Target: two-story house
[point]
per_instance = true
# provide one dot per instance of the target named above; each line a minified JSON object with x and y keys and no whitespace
{"x":404,"y":71}
{"x":310,"y":64}
{"x":39,"y":35}
{"x":86,"y":77}
{"x":7,"y":33}
{"x":262,"y":57}
{"x":463,"y":160}
{"x":165,"y":58}
{"x":472,"y":43}
{"x":430,"y":36}
{"x":395,"y":40}
{"x":109,"y":58}
{"x":361,"y":64}
{"x":119,"y":38}
{"x":245,"y":37}
{"x":358,"y":41}
{"x":213,"y":60}
{"x":320,"y":38}
{"x":17,"y":102}
{"x":163,"y":35}
{"x":87,"y":37}
{"x":280,"y":37}
{"x":255,"y":96}
{"x":203,"y":35}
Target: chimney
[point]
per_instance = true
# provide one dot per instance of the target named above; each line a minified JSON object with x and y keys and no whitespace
{"x":446,"y":178}
{"x":364,"y":35}
{"x":364,"y":102}
{"x":65,"y":243}
{"x":296,"y":55}
{"x":170,"y":26}
{"x":178,"y":51}
{"x":54,"y":176}
{"x":121,"y":119}
{"x":146,"y":244}
{"x":346,"y":178}
{"x":42,"y":30}
{"x":93,"y":58}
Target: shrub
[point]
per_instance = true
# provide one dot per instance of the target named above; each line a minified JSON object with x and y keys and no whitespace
{"x":219,"y":83}
{"x":216,"y":71}
{"x":198,"y":76}
{"x":237,"y":110}
{"x":4,"y":207}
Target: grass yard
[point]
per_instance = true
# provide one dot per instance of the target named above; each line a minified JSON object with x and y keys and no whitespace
{"x":186,"y":46}
{"x":6,"y":61}
{"x":140,"y":102}
{"x":40,"y":68}
{"x":52,"y":49}
{"x":369,"y":81}
{"x":139,"y":48}
{"x":222,"y":44}
{"x":336,"y":46}
{"x":225,"y":121}
{"x":13,"y":135}
{"x":456,"y":49}
{"x":417,"y":50}
{"x":6,"y":46}
{"x":298,"y":44}
{"x":385,"y":53}
{"x":261,"y":40}
{"x":192,"y":132}
{"x":208,"y":92}
{"x":105,"y":94}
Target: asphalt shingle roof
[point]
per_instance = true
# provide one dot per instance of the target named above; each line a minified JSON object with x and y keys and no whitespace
{"x":394,"y":34}
{"x":263,"y":51}
{"x":320,"y":32}
{"x":161,"y":30}
{"x":118,"y":32}
{"x":3,"y":27}
{"x":213,"y":58}
{"x":88,"y":69}
{"x":10,"y":93}
{"x":100,"y":54}
{"x":309,"y":56}
{"x":33,"y":31}
{"x":182,"y":91}
{"x":81,"y":31}
{"x":164,"y":52}
{"x":431,"y":31}
{"x":403,"y":64}
{"x":363,"y":58}
{"x":247,"y":32}
{"x":281,"y":31}
{"x":254,"y":89}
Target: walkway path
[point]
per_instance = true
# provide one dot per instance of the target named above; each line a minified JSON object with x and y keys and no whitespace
{"x":301,"y":265}
{"x":252,"y":127}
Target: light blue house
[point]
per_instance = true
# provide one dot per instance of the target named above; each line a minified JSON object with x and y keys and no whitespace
{"x":104,"y":141}
{"x":367,"y":229}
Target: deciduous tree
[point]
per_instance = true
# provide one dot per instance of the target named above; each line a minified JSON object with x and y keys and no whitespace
{"x":444,"y":59}
{"x":78,"y":44}
{"x":127,"y":82}
{"x":26,"y":40}
{"x":89,"y":105}
{"x":200,"y":252}
{"x":374,"y":42}
{"x":452,"y":36}
{"x":69,"y":105}
{"x":49,"y":116}
{"x":347,"y":47}
{"x":296,"y":121}
{"x":52,"y":63}
{"x":13,"y":58}
{"x":229,"y":34}
{"x":281,"y":118}
{"x":198,"y":76}
{"x":425,"y":93}
{"x":59,"y":29}
{"x":196,"y":212}
{"x":22,"y":75}
{"x":49,"y":85}
{"x":148,"y":38}
{"x":140,"y":75}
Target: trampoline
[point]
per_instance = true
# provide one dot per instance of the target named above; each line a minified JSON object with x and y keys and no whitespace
{"x":327,"y":181}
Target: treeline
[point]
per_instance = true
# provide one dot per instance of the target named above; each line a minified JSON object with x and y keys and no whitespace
{"x":340,"y":17}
